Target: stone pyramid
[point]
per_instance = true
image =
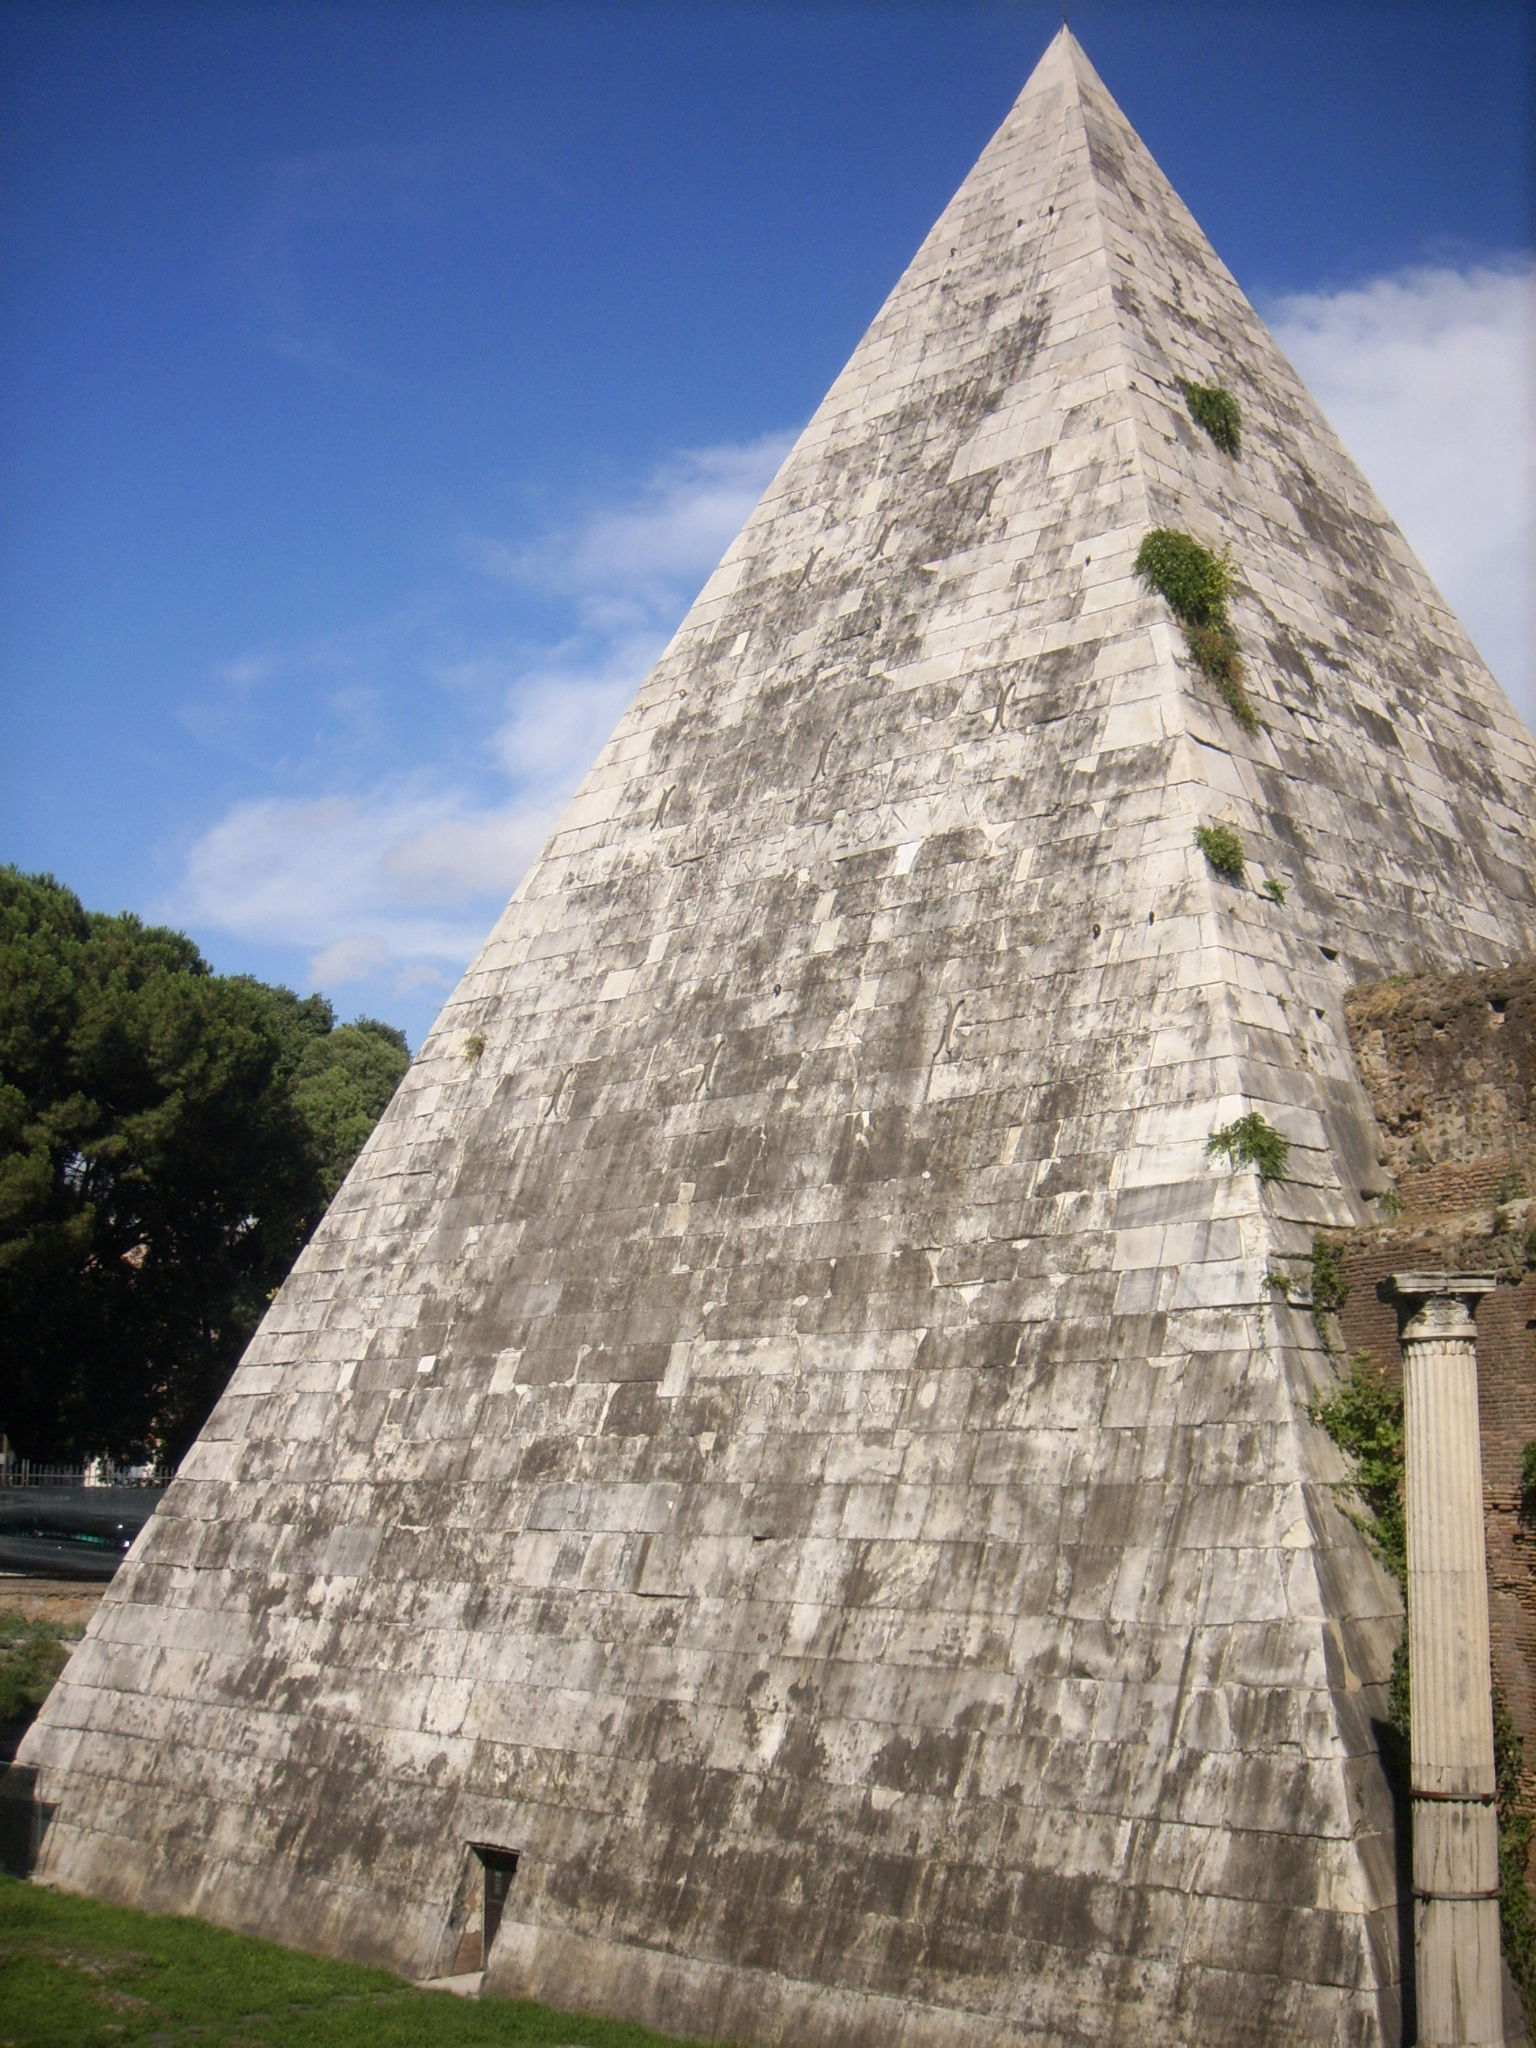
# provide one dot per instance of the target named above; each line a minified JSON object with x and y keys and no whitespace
{"x":785,"y":1431}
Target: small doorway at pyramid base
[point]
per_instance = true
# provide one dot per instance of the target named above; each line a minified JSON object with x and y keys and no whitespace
{"x":488,"y":1881}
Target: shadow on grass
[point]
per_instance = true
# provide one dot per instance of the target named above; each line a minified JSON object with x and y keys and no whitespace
{"x":78,"y":1974}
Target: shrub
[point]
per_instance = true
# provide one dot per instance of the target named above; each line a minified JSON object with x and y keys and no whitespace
{"x":1195,"y":586}
{"x":1216,"y":410}
{"x":1275,"y":891}
{"x":1330,"y":1290}
{"x":1193,"y":583}
{"x":1216,"y":656}
{"x":1223,"y":849}
{"x":1250,"y":1141}
{"x":1364,"y":1416}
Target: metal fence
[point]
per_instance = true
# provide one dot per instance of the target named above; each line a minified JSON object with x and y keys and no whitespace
{"x":23,"y":1472}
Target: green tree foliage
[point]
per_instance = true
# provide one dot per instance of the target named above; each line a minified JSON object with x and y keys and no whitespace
{"x":341,"y":1086}
{"x":168,"y":1139}
{"x":1517,"y":1907}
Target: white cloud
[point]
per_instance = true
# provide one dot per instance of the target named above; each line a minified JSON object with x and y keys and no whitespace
{"x":394,"y":883}
{"x":291,"y":264}
{"x":1427,"y":377}
{"x":394,"y":880}
{"x":349,"y":960}
{"x":560,"y":714}
{"x":337,"y":872}
{"x":629,"y":561}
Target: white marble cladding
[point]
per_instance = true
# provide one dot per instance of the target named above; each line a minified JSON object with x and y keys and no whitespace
{"x":859,"y":1537}
{"x":1455,"y":1829}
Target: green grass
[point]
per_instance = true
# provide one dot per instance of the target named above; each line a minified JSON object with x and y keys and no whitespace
{"x":32,"y":1654}
{"x":78,"y":1974}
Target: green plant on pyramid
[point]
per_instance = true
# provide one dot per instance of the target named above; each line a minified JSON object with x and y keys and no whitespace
{"x":1213,"y":407}
{"x":1251,"y":1141}
{"x":1223,"y":848}
{"x":1195,"y":584}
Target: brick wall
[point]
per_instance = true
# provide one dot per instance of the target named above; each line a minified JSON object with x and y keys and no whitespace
{"x":1451,"y":1066}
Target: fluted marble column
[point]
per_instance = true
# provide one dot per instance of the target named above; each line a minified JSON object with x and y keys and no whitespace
{"x":1455,"y":1829}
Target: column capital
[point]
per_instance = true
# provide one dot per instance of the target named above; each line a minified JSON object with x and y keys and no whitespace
{"x":1431,"y":1304}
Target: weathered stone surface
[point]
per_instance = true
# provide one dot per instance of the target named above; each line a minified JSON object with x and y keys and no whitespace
{"x":1455,"y":1830}
{"x":792,"y":1437}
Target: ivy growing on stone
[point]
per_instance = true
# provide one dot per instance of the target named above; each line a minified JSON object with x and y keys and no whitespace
{"x":1330,"y":1290}
{"x":1251,"y":1141}
{"x":1223,"y":848}
{"x":1195,"y":585}
{"x":1517,"y":1909}
{"x":1364,"y":1416}
{"x":1213,"y":407}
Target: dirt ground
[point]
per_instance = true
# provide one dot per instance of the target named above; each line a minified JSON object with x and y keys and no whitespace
{"x":61,"y":1600}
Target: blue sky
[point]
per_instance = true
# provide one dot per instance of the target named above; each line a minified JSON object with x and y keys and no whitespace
{"x":379,"y":382}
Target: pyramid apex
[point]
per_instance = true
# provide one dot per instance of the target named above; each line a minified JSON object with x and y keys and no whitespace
{"x":808,"y":1390}
{"x":1063,"y":61}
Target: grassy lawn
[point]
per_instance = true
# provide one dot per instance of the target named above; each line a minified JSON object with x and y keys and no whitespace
{"x":32,"y":1654}
{"x":77,"y":1974}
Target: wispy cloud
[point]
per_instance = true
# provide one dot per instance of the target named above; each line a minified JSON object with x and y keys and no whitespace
{"x":315,"y":219}
{"x":392,"y":880}
{"x":625,"y":564}
{"x":1427,"y":376}
{"x":388,"y":877}
{"x":300,"y":195}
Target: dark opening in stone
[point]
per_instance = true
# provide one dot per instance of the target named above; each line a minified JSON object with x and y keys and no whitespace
{"x":498,"y":1867}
